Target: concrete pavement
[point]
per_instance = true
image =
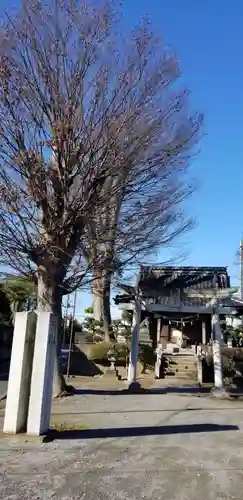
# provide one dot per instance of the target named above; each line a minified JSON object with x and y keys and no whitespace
{"x":3,"y":387}
{"x":170,"y":446}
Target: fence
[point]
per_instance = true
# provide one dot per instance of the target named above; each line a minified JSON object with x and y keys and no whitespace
{"x":6,"y":338}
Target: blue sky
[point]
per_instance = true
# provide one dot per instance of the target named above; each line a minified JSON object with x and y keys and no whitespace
{"x":207,"y":36}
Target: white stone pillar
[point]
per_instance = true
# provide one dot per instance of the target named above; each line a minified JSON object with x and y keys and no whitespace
{"x":158,"y":350}
{"x":199,"y":370}
{"x":17,"y":403}
{"x":132,"y":369}
{"x":42,"y":374}
{"x":217,"y":357}
{"x":204,"y":333}
{"x":158,"y":330}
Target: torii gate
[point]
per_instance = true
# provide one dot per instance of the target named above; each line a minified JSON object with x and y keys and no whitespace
{"x":134,"y":294}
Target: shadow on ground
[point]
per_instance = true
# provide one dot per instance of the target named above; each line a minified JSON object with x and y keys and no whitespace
{"x":181,"y":390}
{"x":124,"y":432}
{"x":103,"y":392}
{"x":80,"y":364}
{"x":152,"y":391}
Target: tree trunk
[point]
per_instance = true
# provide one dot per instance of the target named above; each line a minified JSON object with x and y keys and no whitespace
{"x":49,"y":299}
{"x":101,"y":287}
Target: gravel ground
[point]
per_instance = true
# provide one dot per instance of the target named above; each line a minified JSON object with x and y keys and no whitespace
{"x":170,"y":446}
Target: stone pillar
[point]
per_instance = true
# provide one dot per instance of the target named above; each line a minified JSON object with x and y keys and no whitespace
{"x":217,"y":357}
{"x":17,"y":403}
{"x":42,"y":374}
{"x":199,"y":370}
{"x":132,"y":369}
{"x":158,"y":330}
{"x":159,"y":350}
{"x":204,"y":334}
{"x":164,"y":336}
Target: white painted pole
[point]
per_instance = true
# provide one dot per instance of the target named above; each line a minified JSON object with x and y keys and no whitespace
{"x":158,"y":350}
{"x":71,"y":334}
{"x":132,"y":369}
{"x":217,"y":340}
{"x":65,"y":323}
{"x":204,"y":333}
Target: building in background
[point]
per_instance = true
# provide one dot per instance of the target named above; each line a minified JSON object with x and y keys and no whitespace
{"x":173,"y":316}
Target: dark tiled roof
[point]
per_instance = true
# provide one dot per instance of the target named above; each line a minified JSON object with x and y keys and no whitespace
{"x":183,"y":277}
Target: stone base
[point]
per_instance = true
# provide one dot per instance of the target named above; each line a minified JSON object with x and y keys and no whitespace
{"x":22,"y":437}
{"x":220,"y":393}
{"x":134,"y":387}
{"x":111,"y":373}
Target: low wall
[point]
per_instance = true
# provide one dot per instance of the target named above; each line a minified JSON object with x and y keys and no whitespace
{"x":79,"y":362}
{"x":6,"y":337}
{"x":230,"y":352}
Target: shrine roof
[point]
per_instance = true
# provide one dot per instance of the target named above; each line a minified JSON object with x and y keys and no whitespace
{"x":183,"y":277}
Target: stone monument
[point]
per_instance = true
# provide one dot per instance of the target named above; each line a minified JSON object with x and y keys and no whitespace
{"x":29,"y":395}
{"x":17,"y":403}
{"x":42,"y":374}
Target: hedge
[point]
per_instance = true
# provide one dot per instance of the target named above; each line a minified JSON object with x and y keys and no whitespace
{"x":231,"y":362}
{"x":99,"y":353}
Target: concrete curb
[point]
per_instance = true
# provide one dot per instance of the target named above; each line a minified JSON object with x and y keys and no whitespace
{"x":21,"y":437}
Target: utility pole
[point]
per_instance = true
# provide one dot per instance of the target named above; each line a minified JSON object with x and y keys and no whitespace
{"x":241,"y":269}
{"x":66,"y":307}
{"x":71,"y":333}
{"x":134,"y":385}
{"x":241,"y":274}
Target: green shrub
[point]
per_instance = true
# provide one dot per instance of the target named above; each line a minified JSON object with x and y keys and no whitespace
{"x":122,"y":351}
{"x":228,"y":367}
{"x":99,"y":353}
{"x":89,"y":337}
{"x":146,"y":356}
{"x":239,"y":366}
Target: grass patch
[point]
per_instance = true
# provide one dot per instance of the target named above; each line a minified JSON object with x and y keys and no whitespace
{"x":67,"y":426}
{"x":146,"y":383}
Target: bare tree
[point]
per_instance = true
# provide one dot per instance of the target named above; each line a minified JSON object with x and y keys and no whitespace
{"x":84,"y":118}
{"x":54,"y":157}
{"x":154,"y":136}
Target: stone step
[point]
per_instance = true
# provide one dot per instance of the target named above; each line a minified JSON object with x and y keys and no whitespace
{"x":180,"y":377}
{"x":183,"y":368}
{"x":186,"y":373}
{"x":180,"y":359}
{"x":182,"y":364}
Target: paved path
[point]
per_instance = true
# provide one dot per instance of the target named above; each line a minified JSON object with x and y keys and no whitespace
{"x":151,"y":446}
{"x":3,"y":388}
